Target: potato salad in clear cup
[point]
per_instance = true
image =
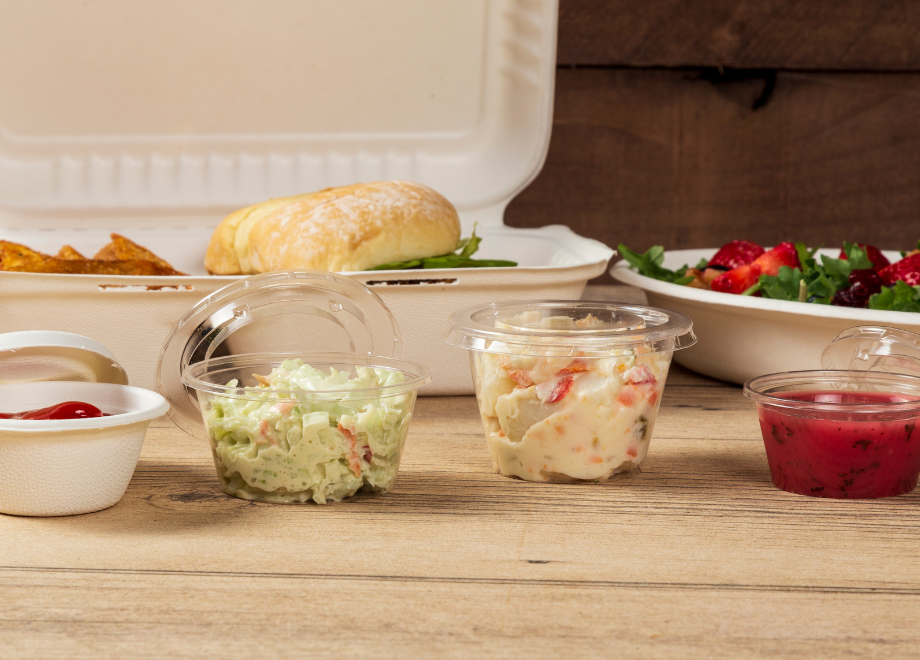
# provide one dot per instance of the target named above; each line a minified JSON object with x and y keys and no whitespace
{"x":568,"y":391}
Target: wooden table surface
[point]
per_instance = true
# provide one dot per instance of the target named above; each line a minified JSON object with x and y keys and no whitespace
{"x":696,"y":556}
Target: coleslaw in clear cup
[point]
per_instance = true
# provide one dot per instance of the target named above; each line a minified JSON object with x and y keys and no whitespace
{"x":568,"y":390}
{"x":305,"y":427}
{"x":285,"y":422}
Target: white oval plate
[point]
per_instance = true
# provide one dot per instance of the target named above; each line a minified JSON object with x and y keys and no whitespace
{"x":740,"y":336}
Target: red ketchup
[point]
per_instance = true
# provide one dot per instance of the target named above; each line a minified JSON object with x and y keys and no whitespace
{"x":66,"y":410}
{"x":854,"y":455}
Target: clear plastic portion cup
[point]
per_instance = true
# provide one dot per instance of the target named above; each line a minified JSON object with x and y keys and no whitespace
{"x":841,"y":434}
{"x":336,"y":426}
{"x":568,"y":390}
{"x":282,"y":374}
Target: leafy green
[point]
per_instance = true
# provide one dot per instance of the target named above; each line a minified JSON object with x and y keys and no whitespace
{"x":901,"y":297}
{"x":649,"y":264}
{"x":784,"y":286}
{"x":460,"y":258}
{"x":857,"y":256}
{"x":814,"y":282}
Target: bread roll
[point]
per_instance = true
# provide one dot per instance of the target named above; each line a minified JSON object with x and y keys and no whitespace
{"x":338,"y":229}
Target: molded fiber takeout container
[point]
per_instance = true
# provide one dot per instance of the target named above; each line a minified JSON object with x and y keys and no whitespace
{"x":454,"y":94}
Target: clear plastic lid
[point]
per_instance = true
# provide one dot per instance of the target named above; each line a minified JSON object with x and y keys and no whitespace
{"x":863,"y":359}
{"x":563,"y":327}
{"x":874,"y":348}
{"x":42,"y":355}
{"x":281,"y":313}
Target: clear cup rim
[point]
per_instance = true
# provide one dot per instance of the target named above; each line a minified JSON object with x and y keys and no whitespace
{"x":416,"y":375}
{"x":473,"y":328}
{"x":754,"y":389}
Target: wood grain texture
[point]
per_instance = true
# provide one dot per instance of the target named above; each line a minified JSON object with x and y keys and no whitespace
{"x":672,"y":158}
{"x":791,"y":34}
{"x":696,"y":556}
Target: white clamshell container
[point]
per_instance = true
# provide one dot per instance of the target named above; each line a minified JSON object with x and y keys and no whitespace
{"x":73,"y":466}
{"x":160,"y":140}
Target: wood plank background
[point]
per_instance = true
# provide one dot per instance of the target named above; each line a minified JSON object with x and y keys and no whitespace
{"x":691,"y":124}
{"x":785,"y":34}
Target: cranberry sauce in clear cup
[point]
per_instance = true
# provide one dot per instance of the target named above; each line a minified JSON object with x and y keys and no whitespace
{"x":568,"y":390}
{"x":841,"y":434}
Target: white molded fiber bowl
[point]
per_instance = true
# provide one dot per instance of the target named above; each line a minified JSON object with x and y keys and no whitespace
{"x":68,"y":467}
{"x":741,"y":337}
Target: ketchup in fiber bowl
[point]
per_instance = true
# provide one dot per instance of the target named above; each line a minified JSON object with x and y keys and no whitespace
{"x":65,"y":410}
{"x":840,"y":434}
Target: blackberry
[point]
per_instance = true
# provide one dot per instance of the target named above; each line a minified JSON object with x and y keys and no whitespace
{"x":863,"y":283}
{"x":868,"y":279}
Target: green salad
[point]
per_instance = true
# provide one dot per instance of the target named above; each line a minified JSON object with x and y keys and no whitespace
{"x":860,"y":276}
{"x":282,"y":441}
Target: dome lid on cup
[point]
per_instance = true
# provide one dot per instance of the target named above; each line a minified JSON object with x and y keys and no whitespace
{"x":303,"y":311}
{"x":565,"y":327}
{"x":874,"y":348}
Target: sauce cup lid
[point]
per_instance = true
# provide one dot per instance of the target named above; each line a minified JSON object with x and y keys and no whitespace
{"x":867,"y":358}
{"x":564,"y":327}
{"x":874,"y":348}
{"x":44,"y":355}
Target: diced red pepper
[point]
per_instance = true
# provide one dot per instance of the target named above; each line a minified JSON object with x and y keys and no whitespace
{"x":561,"y":388}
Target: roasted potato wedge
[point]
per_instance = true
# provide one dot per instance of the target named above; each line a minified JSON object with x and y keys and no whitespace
{"x":68,"y":252}
{"x":124,"y":249}
{"x":19,"y":258}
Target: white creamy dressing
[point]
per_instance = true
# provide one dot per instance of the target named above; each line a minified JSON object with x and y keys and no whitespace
{"x":569,"y":418}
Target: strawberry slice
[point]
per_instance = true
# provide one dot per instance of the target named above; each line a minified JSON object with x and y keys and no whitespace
{"x":875,"y":255}
{"x":744,"y":277}
{"x":738,"y":280}
{"x":783,"y":254}
{"x":907,"y":269}
{"x":735,"y":254}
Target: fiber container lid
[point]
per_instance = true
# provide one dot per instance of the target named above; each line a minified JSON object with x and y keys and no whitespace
{"x":44,"y":355}
{"x":172,"y":113}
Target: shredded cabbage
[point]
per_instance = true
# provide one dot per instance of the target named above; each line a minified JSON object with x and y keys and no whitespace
{"x":292,"y":447}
